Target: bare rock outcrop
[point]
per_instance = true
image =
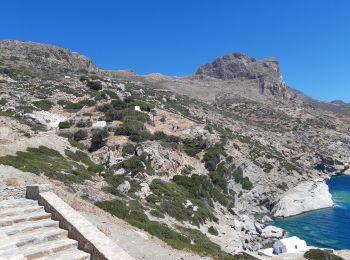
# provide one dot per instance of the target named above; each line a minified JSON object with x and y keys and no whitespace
{"x":307,"y":196}
{"x":266,"y":72}
{"x":44,"y":57}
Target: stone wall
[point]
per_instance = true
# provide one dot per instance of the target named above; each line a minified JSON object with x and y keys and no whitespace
{"x":90,"y":239}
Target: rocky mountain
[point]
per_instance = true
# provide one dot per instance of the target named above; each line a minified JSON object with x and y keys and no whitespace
{"x":265,"y":73}
{"x":208,"y":159}
{"x":44,"y":57}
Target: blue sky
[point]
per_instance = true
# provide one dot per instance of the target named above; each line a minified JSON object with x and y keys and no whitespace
{"x":310,"y":38}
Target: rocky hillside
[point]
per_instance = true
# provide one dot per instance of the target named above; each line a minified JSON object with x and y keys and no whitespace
{"x":202,"y":162}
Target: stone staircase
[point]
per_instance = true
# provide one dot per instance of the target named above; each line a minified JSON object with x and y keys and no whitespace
{"x":28,"y":232}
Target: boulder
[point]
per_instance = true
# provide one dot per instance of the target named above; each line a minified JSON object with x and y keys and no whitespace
{"x":120,"y":171}
{"x":124,"y":187}
{"x":272,"y":232}
{"x":266,"y":219}
{"x":307,"y":196}
{"x":145,"y":190}
{"x":188,"y":204}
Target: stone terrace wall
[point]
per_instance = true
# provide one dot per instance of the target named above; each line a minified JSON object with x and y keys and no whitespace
{"x":90,"y":239}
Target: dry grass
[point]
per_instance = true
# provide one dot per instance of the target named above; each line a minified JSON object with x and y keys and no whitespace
{"x":12,"y":182}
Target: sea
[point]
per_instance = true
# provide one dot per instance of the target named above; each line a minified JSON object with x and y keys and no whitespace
{"x":326,"y":228}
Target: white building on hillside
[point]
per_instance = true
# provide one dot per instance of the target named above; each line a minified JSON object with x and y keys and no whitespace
{"x":99,"y":124}
{"x":289,"y":245}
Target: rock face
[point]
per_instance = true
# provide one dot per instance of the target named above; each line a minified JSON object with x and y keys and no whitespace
{"x":237,"y":65}
{"x":124,"y":187}
{"x":306,"y":196}
{"x":44,"y":57}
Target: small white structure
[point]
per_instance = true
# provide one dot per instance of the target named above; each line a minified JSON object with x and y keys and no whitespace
{"x":67,"y":77}
{"x":289,"y":245}
{"x":137,"y":108}
{"x":99,"y":124}
{"x":266,"y":252}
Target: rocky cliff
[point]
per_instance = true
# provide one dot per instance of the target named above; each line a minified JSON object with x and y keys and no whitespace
{"x":265,"y":72}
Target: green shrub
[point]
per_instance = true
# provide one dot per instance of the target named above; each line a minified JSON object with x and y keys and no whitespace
{"x":80,"y":135}
{"x":212,"y":156}
{"x":44,"y":104}
{"x":318,"y":254}
{"x":113,"y":182}
{"x":79,"y":105}
{"x":110,"y":93}
{"x":63,"y":125}
{"x":43,"y":160}
{"x":82,"y":124}
{"x":238,"y":176}
{"x":128,"y":149}
{"x":62,"y":102}
{"x":161,"y":136}
{"x":3,"y":101}
{"x":133,"y":164}
{"x":82,"y":157}
{"x":135,"y":130}
{"x":157,"y":213}
{"x":247,"y":184}
{"x":98,"y":139}
{"x":76,"y":144}
{"x":118,"y":104}
{"x":187,"y":170}
{"x":94,"y":85}
{"x":130,"y":128}
{"x":73,"y":106}
{"x":176,"y":210}
{"x":113,"y":114}
{"x":6,"y":113}
{"x":193,"y":146}
{"x":144,"y":106}
{"x":213,"y":231}
{"x":152,"y":199}
{"x":25,"y":109}
{"x":172,"y":195}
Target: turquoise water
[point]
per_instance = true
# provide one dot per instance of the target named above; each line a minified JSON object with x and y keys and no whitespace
{"x":326,"y":227}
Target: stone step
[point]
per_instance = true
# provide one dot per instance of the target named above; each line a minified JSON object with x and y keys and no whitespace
{"x":14,"y":203}
{"x":11,"y":254}
{"x":38,"y":236}
{"x":10,"y":220}
{"x":28,"y":226}
{"x":20,"y":210}
{"x":71,"y":254}
{"x":47,"y":248}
